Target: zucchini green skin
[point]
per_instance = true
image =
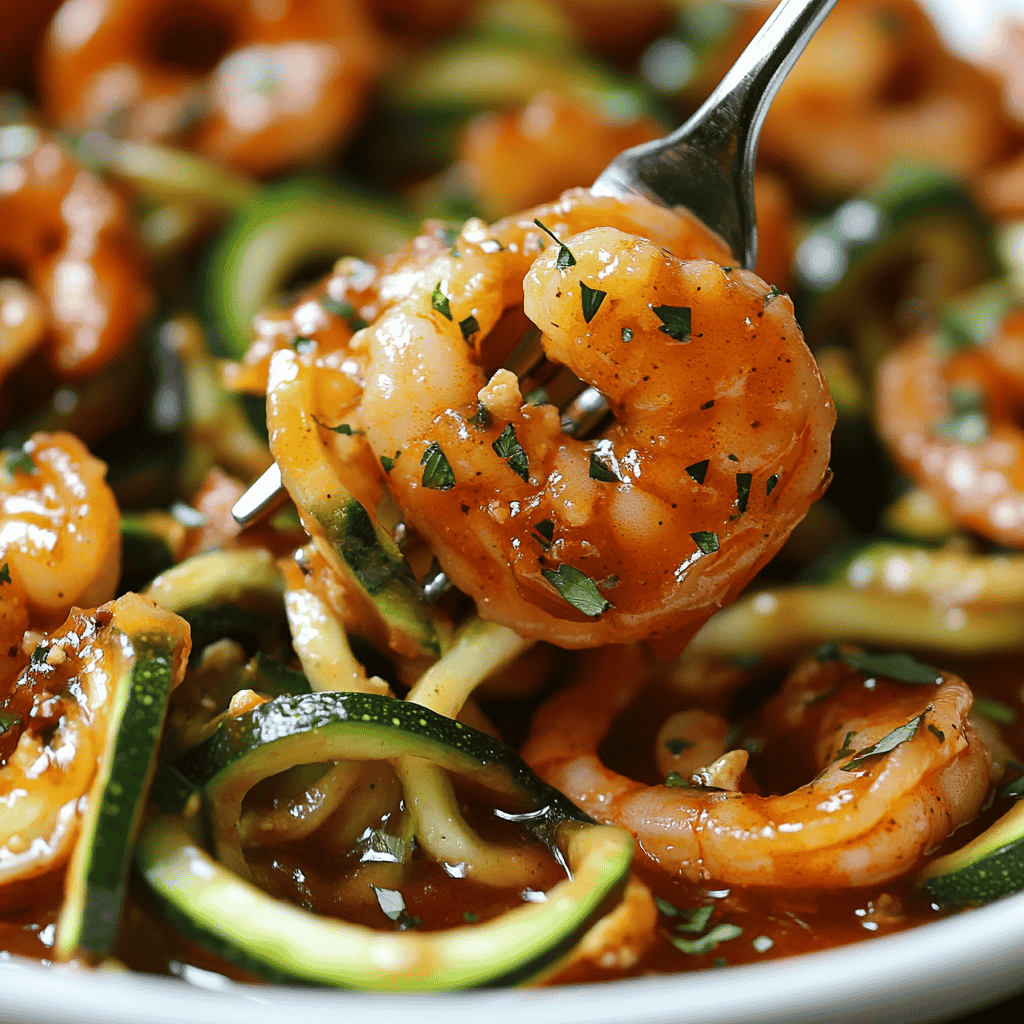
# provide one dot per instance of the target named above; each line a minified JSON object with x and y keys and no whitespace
{"x":289,"y":225}
{"x":988,"y":867}
{"x":224,"y":912}
{"x":98,"y":872}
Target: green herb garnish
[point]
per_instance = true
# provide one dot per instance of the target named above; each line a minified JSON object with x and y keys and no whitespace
{"x":440,"y":301}
{"x":895,"y":665}
{"x":469,"y":327}
{"x":600,"y":471}
{"x":437,"y":472}
{"x":469,"y":918}
{"x":675,"y":321}
{"x":708,"y":405}
{"x":676,"y":781}
{"x":565,"y":257}
{"x":699,"y":470}
{"x":695,"y":920}
{"x":742,"y":491}
{"x":664,"y":907}
{"x":706,"y":943}
{"x":590,"y":299}
{"x":845,"y":750}
{"x":888,"y":742}
{"x":7,"y":720}
{"x":387,"y":463}
{"x":937,"y":732}
{"x":345,"y":310}
{"x":706,"y":540}
{"x":546,"y":528}
{"x":772,"y":293}
{"x":341,"y":428}
{"x":508,"y":447}
{"x":5,"y":573}
{"x":627,"y":334}
{"x":771,"y":482}
{"x":20,"y":462}
{"x":576,"y":588}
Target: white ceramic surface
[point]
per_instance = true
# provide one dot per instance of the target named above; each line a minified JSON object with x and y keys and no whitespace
{"x":932,"y":973}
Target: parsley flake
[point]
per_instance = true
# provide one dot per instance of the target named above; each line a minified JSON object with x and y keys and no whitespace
{"x":699,"y":470}
{"x":706,"y":943}
{"x":469,"y":918}
{"x":676,"y":781}
{"x":706,"y":540}
{"x":20,"y":462}
{"x":5,"y":573}
{"x":677,"y":746}
{"x":576,"y":588}
{"x":7,"y":719}
{"x":845,"y":750}
{"x":345,"y":310}
{"x":590,"y":299}
{"x":771,"y":482}
{"x":341,"y":428}
{"x":565,"y":258}
{"x":627,"y":334}
{"x":601,"y":471}
{"x":898,"y":666}
{"x":508,"y":447}
{"x":387,"y":463}
{"x":440,"y":301}
{"x":437,"y":472}
{"x":772,"y":293}
{"x":546,"y":527}
{"x":888,"y":742}
{"x":675,"y":321}
{"x":708,"y":405}
{"x":695,"y":920}
{"x":469,"y":327}
{"x":664,"y":907}
{"x":742,"y":491}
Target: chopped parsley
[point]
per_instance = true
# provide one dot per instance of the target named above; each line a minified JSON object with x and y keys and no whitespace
{"x":345,"y":310}
{"x":469,"y":327}
{"x":20,"y":462}
{"x":565,"y":258}
{"x":699,"y":470}
{"x":469,"y":918}
{"x":440,"y":301}
{"x":677,"y":746}
{"x":706,"y":943}
{"x":600,"y":471}
{"x":706,"y":540}
{"x":845,"y":750}
{"x":7,"y":719}
{"x":576,"y":588}
{"x":695,"y":920}
{"x":995,"y":710}
{"x":937,"y":732}
{"x":708,"y":405}
{"x":888,"y":742}
{"x":895,"y":665}
{"x":546,"y":527}
{"x":341,"y":428}
{"x":742,"y":491}
{"x":772,"y":293}
{"x":5,"y":573}
{"x":482,"y":417}
{"x":771,"y":483}
{"x":387,"y":462}
{"x":666,"y":908}
{"x":675,"y":321}
{"x":676,"y":781}
{"x":590,"y":299}
{"x":437,"y":471}
{"x":508,"y":447}
{"x":627,"y":334}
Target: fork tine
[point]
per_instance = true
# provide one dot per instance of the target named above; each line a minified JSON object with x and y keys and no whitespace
{"x":265,"y":496}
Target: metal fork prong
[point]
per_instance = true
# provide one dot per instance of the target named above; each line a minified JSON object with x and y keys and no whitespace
{"x":584,"y":413}
{"x":263,"y":498}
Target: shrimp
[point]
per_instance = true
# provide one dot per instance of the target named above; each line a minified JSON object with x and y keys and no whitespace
{"x":71,"y":238}
{"x":863,"y":819}
{"x":953,"y":425}
{"x":720,"y":447}
{"x":60,"y":540}
{"x":876,"y":86}
{"x":57,"y":713}
{"x":255,"y":86}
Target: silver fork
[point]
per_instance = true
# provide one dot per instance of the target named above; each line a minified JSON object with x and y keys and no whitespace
{"x":706,"y":166}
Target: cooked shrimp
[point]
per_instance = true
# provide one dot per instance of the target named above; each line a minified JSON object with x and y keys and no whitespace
{"x":721,"y":442}
{"x":60,"y":539}
{"x":258,"y":86}
{"x":71,"y":238}
{"x":60,"y":706}
{"x":953,"y":425}
{"x":876,"y":86}
{"x":862,"y":819}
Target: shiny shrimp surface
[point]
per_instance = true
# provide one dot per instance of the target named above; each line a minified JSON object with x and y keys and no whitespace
{"x":952,"y":421}
{"x":60,"y":540}
{"x":720,"y":442}
{"x":864,"y":817}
